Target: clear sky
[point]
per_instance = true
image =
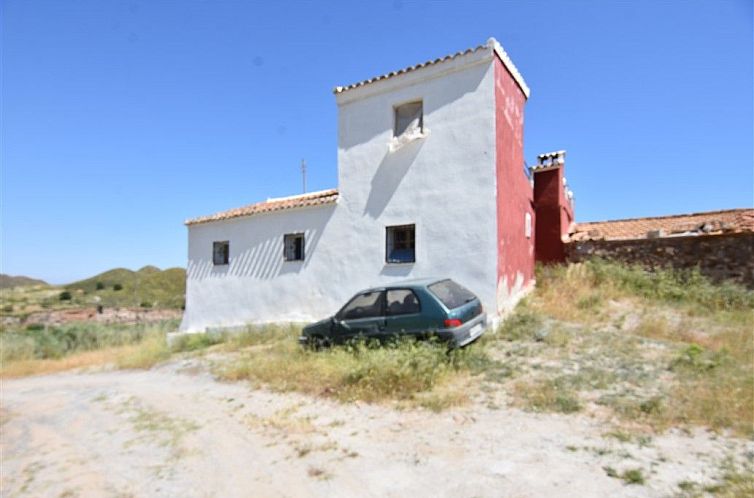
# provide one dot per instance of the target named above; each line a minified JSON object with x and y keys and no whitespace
{"x":120,"y":119}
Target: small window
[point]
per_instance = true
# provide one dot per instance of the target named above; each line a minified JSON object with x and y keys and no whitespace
{"x":367,"y":305}
{"x":400,"y":244}
{"x":293,"y":246}
{"x":527,"y":225}
{"x":221,"y":252}
{"x":409,"y":119}
{"x":402,"y":302}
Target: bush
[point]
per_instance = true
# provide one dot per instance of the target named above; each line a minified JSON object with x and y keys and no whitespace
{"x":145,"y":304}
{"x":117,"y":287}
{"x":38,"y":342}
{"x":99,"y":286}
{"x":8,"y":308}
{"x":65,"y":296}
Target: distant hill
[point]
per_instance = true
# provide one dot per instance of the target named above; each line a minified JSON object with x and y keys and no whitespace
{"x":8,"y":281}
{"x":121,"y":287}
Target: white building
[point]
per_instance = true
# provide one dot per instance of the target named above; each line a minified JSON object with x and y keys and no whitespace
{"x":431,"y":182}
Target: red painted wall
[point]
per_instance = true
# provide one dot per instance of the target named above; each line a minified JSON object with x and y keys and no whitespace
{"x":515,"y":252}
{"x":554,"y":215}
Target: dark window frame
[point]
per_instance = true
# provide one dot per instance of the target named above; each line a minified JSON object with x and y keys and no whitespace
{"x":302,"y":248}
{"x":225,"y":254}
{"x":411,"y":241}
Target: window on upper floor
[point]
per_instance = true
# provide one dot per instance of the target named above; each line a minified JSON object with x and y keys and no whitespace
{"x":293,"y":247}
{"x":221,"y":252}
{"x":409,"y":119}
{"x":400,"y":244}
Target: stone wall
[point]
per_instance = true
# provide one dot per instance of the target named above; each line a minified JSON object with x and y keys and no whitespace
{"x":720,"y":257}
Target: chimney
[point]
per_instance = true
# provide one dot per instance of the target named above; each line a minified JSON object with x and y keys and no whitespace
{"x":553,"y":206}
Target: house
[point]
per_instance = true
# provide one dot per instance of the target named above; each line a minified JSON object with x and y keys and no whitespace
{"x":431,"y":182}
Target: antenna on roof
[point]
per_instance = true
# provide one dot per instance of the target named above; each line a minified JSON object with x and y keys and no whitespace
{"x":303,"y":174}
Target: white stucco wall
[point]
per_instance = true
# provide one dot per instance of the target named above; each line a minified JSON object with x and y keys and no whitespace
{"x":443,"y":183}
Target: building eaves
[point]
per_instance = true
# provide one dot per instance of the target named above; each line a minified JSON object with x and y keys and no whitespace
{"x":271,"y":205}
{"x":492,"y":44}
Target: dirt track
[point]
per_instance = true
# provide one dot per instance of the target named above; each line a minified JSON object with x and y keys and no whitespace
{"x":175,"y":432}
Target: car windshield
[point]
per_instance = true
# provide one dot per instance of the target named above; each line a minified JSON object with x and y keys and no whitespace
{"x":451,"y":294}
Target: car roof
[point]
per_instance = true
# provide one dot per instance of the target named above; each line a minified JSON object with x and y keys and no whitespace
{"x":410,"y":283}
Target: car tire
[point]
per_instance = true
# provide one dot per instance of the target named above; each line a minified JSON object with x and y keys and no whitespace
{"x":318,"y":343}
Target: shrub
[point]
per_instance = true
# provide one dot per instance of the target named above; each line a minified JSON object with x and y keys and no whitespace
{"x":117,"y":287}
{"x":145,"y":304}
{"x":58,"y":341}
{"x":65,"y":296}
{"x":8,"y":308}
{"x":99,"y":286}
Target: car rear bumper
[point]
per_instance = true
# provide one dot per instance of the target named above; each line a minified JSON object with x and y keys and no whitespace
{"x":466,"y":333}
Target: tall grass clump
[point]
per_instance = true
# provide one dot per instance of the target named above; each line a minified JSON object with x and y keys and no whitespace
{"x":405,"y":370}
{"x":706,"y":328}
{"x":45,"y":349}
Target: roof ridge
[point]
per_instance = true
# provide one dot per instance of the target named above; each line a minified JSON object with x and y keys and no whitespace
{"x":492,"y":44}
{"x":299,"y":196}
{"x":271,"y":205}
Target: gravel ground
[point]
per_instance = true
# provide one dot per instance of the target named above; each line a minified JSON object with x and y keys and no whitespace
{"x":175,"y":431}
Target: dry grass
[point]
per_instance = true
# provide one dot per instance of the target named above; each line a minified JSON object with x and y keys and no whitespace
{"x":423,"y":374}
{"x":82,"y":345}
{"x":88,"y":359}
{"x":661,"y":350}
{"x":152,"y":350}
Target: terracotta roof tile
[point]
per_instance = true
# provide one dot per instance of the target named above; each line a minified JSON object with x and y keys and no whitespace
{"x":711,"y":222}
{"x":492,"y":44}
{"x":297,"y":201}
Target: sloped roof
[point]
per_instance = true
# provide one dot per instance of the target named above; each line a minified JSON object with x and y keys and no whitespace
{"x":492,"y":44}
{"x":297,"y":201}
{"x":710,"y":222}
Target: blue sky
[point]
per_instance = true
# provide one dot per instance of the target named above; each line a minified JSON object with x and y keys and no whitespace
{"x":120,"y":119}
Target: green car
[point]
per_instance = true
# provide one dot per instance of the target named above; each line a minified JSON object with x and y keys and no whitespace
{"x":416,"y":308}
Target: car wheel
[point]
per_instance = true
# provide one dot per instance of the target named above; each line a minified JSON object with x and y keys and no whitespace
{"x":318,"y":342}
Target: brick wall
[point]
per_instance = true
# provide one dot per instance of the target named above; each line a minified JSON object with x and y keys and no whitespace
{"x":720,"y":257}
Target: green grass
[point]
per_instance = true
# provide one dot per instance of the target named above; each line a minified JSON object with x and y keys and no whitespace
{"x":146,"y":288}
{"x":54,"y":342}
{"x":406,"y":371}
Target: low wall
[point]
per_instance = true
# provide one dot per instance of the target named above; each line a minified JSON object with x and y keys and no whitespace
{"x":719,"y":257}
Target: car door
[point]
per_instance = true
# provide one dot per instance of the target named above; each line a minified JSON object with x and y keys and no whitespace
{"x":403,"y":314}
{"x":363,"y":316}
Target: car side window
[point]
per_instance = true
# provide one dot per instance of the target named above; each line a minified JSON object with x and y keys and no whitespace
{"x":366,"y":305}
{"x":402,"y":302}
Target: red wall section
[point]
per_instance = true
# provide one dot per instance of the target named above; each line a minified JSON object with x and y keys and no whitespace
{"x":515,"y":252}
{"x":554,"y":215}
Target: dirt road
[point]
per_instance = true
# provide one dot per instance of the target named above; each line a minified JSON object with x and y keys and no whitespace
{"x":176,"y":432}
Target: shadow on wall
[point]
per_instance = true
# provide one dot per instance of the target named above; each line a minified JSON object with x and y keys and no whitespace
{"x":362,"y":121}
{"x":263,"y":259}
{"x":397,"y":270}
{"x":390,"y":173}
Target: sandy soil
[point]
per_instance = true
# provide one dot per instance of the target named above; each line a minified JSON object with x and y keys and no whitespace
{"x":176,"y":432}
